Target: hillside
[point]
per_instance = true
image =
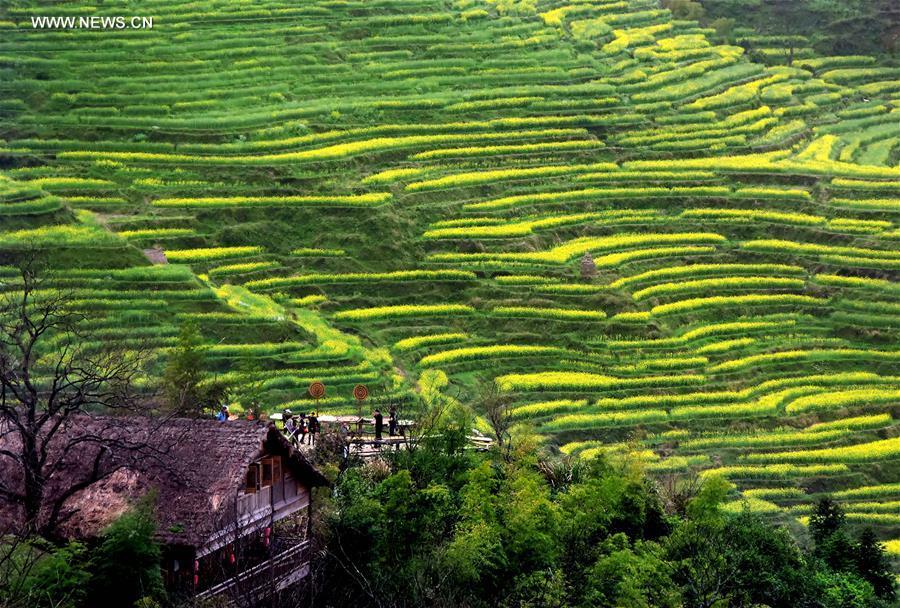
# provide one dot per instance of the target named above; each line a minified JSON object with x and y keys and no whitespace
{"x":642,"y":238}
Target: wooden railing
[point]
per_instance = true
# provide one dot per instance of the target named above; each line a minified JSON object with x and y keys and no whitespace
{"x":274,"y":574}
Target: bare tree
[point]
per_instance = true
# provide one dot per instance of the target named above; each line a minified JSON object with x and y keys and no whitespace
{"x":497,"y":409}
{"x":52,"y":377}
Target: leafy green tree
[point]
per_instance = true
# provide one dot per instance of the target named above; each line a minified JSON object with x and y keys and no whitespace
{"x":842,"y":590}
{"x":632,"y":576}
{"x":125,"y":567}
{"x":826,"y":519}
{"x":538,"y":589}
{"x":766,"y":563}
{"x":183,"y":380}
{"x":873,"y":565}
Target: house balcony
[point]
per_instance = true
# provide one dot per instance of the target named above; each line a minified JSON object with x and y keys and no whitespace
{"x":272,"y":575}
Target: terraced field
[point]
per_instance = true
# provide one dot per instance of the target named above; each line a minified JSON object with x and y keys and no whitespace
{"x":647,"y":241}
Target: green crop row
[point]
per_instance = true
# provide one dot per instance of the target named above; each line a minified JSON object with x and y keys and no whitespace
{"x":362,"y":277}
{"x":372,"y":199}
{"x":473,"y":151}
{"x":559,"y":314}
{"x":475,"y":178}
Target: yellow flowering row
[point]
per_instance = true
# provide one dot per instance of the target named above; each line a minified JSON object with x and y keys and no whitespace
{"x":707,"y":269}
{"x":156,"y":233}
{"x":841,"y":399}
{"x":591,"y":421}
{"x":861,"y":452}
{"x":869,"y":204}
{"x":756,"y":215}
{"x":210,"y":253}
{"x":836,"y":355}
{"x":332,"y":152}
{"x":770,"y":471}
{"x":723,"y":283}
{"x":407,"y":310}
{"x":577,"y":247}
{"x":565,"y":381}
{"x":490,"y":352}
{"x":855,"y":423}
{"x":234,"y":269}
{"x":762,"y":439}
{"x":429,"y":340}
{"x":716,"y":302}
{"x":547,"y":408}
{"x":774,"y":245}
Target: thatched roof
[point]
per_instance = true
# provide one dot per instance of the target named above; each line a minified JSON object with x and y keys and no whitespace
{"x":197,"y":467}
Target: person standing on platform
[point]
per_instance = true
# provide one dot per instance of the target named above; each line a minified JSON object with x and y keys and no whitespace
{"x":392,"y":421}
{"x":379,"y":424}
{"x":290,"y":426}
{"x":304,"y":427}
{"x":313,"y":427}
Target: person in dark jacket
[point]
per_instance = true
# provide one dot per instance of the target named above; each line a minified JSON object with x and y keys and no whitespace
{"x":379,"y":424}
{"x":313,"y":427}
{"x":303,"y":427}
{"x":392,"y":421}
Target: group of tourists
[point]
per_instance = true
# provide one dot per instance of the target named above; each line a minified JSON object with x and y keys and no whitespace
{"x":393,"y":423}
{"x":301,"y":427}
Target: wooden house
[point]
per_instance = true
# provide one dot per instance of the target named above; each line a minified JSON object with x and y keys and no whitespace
{"x":233,"y":498}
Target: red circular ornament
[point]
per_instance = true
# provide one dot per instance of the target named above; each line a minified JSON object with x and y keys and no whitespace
{"x":317,"y":390}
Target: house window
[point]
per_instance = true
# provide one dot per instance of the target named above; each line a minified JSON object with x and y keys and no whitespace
{"x":252,"y":479}
{"x":276,"y":469}
{"x":266,"y":472}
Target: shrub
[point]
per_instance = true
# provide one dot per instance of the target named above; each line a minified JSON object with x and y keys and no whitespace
{"x":125,"y":567}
